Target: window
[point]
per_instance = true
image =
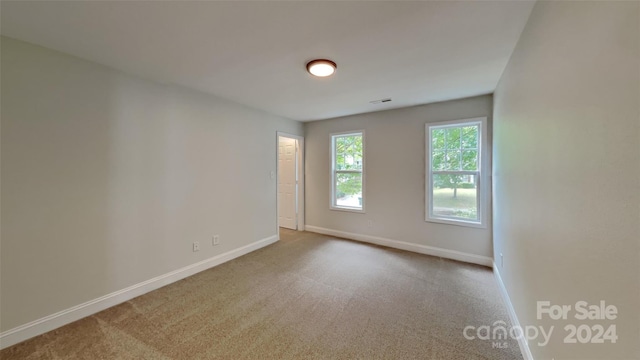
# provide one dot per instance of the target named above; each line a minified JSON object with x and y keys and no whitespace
{"x":456,"y":192}
{"x":347,"y":171}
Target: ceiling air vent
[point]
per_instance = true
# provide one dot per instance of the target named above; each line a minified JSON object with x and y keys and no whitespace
{"x":380,"y":101}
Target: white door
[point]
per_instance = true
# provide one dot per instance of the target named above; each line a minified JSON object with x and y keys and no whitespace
{"x":287,"y":190}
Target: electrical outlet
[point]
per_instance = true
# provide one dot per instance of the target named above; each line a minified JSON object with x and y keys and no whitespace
{"x":196,"y":246}
{"x":216,"y":240}
{"x":369,"y":223}
{"x":501,"y":260}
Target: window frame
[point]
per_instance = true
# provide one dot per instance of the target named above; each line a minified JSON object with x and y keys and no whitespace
{"x":481,"y":178}
{"x":333,"y":201}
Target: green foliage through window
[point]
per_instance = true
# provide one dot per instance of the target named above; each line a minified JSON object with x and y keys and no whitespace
{"x":348,"y":152}
{"x":454,"y":148}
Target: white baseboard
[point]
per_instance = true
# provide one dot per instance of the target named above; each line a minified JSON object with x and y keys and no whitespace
{"x":422,"y":249}
{"x":53,"y":321}
{"x":522,"y":342}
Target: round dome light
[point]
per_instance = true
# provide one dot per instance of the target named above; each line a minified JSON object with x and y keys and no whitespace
{"x":321,"y":67}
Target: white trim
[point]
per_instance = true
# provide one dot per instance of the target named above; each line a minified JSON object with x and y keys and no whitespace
{"x":522,"y":342}
{"x":300,"y":195}
{"x":332,"y":192}
{"x":402,"y":245}
{"x":64,"y":317}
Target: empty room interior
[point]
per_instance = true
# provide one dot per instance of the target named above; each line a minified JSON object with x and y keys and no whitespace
{"x":320,"y":180}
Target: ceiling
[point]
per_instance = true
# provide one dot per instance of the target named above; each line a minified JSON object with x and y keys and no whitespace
{"x":255,"y":53}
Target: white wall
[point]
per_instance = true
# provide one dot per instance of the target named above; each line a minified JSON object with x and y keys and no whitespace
{"x":567,"y":170}
{"x":107,"y":179}
{"x":395,"y":177}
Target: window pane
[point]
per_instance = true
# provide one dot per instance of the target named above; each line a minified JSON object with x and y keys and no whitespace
{"x":452,"y":136}
{"x":455,"y":196}
{"x":437,"y":139}
{"x":348,"y":152}
{"x":470,"y":137}
{"x":340,"y":153}
{"x":349,"y":190}
{"x":437,"y":160}
{"x":470,"y":160}
{"x":452,"y":160}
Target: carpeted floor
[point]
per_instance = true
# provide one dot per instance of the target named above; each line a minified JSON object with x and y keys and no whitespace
{"x":308,"y":296}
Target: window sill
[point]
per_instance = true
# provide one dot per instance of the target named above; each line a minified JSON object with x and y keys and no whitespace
{"x":457,"y":223}
{"x":353,"y":210}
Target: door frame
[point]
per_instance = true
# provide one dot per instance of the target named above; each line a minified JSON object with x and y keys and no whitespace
{"x":300,"y":188}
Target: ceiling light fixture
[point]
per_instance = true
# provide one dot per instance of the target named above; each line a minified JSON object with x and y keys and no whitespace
{"x":321,"y":67}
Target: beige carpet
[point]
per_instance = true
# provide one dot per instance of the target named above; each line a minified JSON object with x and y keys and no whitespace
{"x":308,"y":296}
